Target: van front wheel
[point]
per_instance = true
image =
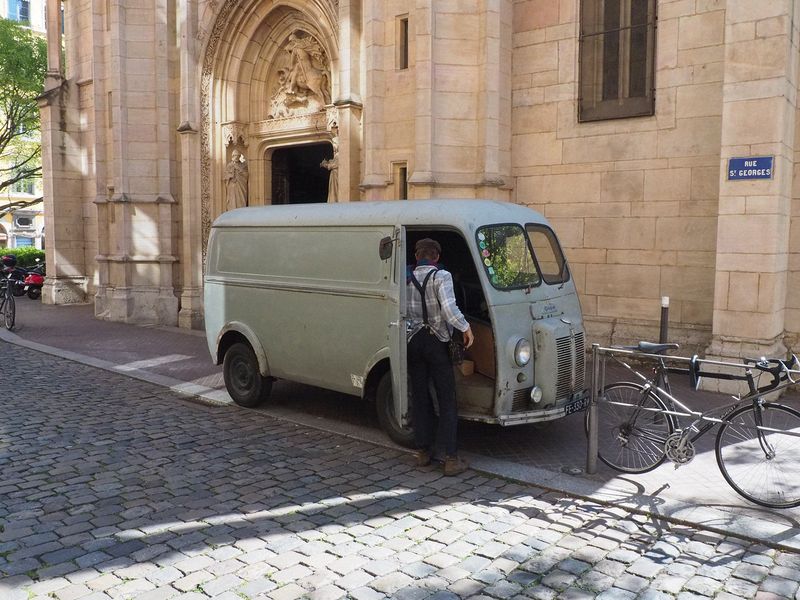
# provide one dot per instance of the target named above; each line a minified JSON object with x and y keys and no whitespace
{"x":384,"y":406}
{"x":243,"y":379}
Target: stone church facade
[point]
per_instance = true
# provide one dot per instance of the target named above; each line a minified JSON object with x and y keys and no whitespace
{"x":614,"y":118}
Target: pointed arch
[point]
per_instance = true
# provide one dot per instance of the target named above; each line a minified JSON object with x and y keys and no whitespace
{"x":244,"y":44}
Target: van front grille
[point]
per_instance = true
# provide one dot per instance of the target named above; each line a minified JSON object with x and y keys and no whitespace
{"x":521,"y":400}
{"x":571,"y":365}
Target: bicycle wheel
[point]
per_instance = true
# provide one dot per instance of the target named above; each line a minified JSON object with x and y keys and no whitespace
{"x":9,"y":311}
{"x":764,"y":469}
{"x":631,"y":432}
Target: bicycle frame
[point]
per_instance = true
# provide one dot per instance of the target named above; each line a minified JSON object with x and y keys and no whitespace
{"x":659,"y":385}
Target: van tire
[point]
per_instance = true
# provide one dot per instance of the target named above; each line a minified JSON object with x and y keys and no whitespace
{"x":243,"y":380}
{"x":384,"y":406}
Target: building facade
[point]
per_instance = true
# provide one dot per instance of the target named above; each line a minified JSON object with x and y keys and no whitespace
{"x":614,"y":118}
{"x":22,"y":216}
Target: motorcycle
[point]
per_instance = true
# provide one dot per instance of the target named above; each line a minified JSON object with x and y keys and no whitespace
{"x":34,"y":280}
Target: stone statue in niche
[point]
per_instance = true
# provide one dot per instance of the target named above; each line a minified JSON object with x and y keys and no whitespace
{"x":236,"y":175}
{"x":304,"y":86}
{"x":332,"y":164}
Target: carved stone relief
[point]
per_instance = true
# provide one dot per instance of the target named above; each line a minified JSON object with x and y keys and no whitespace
{"x":234,"y":134}
{"x":302,"y":82}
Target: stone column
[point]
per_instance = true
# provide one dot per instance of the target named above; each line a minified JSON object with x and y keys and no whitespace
{"x":62,"y":180}
{"x":142,"y":258}
{"x":191,"y":312}
{"x":375,"y":175}
{"x":423,"y":178}
{"x":494,"y":109}
{"x":758,"y":119}
{"x":349,"y":101}
{"x":191,"y":302}
{"x":463,"y":100}
{"x":54,"y":33}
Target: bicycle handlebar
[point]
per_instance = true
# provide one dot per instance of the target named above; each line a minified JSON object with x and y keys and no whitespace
{"x":780,"y":370}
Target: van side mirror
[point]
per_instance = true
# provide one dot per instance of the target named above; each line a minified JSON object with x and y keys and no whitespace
{"x":385,"y":248}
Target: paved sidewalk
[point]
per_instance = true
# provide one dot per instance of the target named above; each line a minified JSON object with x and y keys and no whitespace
{"x":552,"y":458}
{"x":116,"y":489}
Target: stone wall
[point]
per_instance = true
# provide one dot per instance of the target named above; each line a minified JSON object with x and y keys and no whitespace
{"x":633,"y":200}
{"x":447,"y":116}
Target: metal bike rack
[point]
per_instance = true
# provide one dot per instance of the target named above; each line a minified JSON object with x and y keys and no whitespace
{"x":599,"y":356}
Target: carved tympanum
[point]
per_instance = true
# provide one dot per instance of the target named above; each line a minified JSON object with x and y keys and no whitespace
{"x":303,"y":85}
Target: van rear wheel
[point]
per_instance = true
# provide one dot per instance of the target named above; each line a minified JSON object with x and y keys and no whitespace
{"x":243,"y":379}
{"x":384,"y":406}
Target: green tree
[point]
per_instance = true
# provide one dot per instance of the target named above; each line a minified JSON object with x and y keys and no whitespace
{"x":23,"y":64}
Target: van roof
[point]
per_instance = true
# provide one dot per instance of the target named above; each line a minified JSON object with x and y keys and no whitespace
{"x":460,"y":213}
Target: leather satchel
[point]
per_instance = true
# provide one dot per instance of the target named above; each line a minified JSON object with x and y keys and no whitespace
{"x":455,"y":347}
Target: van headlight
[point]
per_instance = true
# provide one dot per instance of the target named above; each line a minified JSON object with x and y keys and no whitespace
{"x":522,"y":352}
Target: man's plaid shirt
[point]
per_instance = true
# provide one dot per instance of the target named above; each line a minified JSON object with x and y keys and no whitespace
{"x":443,"y":315}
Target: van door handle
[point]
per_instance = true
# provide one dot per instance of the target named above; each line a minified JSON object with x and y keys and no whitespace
{"x":394,"y":323}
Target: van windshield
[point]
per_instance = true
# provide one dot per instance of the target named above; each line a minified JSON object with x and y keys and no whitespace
{"x":506,"y":256}
{"x":549,"y":258}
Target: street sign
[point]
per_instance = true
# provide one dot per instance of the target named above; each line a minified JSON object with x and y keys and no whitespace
{"x":753,"y":167}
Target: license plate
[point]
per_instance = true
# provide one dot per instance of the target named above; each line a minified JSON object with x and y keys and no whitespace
{"x":576,"y":405}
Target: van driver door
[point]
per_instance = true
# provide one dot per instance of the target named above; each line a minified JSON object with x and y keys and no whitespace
{"x":397,"y":339}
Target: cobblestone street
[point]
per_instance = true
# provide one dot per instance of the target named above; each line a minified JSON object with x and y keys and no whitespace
{"x":116,"y":488}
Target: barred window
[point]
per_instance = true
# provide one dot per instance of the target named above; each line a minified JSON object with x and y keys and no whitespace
{"x":617,"y":50}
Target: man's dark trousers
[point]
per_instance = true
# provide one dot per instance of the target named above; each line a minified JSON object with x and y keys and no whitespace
{"x":428,"y":359}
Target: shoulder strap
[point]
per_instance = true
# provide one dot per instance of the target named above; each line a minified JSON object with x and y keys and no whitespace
{"x":421,"y":288}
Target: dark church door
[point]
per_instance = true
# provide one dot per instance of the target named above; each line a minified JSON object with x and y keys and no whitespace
{"x":297,"y":177}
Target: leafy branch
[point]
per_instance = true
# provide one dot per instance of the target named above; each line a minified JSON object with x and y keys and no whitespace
{"x":23,"y":64}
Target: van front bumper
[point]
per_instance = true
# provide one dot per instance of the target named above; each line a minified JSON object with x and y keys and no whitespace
{"x":577,"y":403}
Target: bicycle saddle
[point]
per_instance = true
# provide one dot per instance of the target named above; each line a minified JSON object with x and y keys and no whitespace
{"x":651,"y":348}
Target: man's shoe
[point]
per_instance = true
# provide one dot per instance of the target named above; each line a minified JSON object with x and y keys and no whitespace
{"x":454,"y":466}
{"x":423,"y":457}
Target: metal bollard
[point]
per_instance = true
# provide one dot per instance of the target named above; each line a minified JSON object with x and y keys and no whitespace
{"x":591,"y":453}
{"x":663,"y":334}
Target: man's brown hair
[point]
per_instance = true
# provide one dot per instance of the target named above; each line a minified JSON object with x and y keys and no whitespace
{"x":428,"y":249}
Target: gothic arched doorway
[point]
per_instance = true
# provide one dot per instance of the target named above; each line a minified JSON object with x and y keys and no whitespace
{"x":298,"y":176}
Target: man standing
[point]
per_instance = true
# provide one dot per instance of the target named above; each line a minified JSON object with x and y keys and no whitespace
{"x":432,"y":314}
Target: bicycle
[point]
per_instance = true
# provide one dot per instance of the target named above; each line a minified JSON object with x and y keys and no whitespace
{"x":758,"y":442}
{"x":8,"y":307}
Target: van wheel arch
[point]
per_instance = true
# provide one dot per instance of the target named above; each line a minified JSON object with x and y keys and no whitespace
{"x":232,"y":335}
{"x":384,"y":407}
{"x":374,"y":377}
{"x":378,"y":390}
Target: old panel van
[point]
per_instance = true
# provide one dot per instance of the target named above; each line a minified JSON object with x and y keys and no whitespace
{"x":316,"y":294}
